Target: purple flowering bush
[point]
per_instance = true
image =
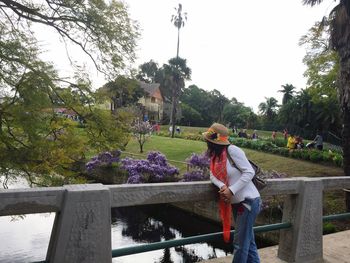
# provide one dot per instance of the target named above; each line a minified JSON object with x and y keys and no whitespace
{"x":105,"y":167}
{"x":152,"y":170}
{"x":198,"y":168}
{"x":104,"y":159}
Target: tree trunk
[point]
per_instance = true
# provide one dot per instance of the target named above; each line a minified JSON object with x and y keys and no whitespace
{"x":346,"y":149}
{"x":178,"y":42}
{"x":344,"y":98}
{"x":141,"y":142}
{"x":141,"y":148}
{"x":173,"y":114}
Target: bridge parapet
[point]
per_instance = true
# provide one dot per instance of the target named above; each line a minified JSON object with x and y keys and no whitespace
{"x":81,"y":231}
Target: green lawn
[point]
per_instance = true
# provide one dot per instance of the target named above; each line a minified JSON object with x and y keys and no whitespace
{"x":179,"y":149}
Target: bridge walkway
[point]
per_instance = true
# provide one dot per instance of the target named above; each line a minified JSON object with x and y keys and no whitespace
{"x":336,"y":249}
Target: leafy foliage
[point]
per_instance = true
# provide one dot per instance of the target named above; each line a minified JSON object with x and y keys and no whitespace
{"x":102,"y":31}
{"x":34,"y":141}
{"x":123,"y":91}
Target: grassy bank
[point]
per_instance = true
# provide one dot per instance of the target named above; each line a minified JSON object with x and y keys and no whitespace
{"x":180,"y":149}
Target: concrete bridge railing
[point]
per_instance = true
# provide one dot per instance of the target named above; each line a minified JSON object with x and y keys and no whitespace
{"x":82,"y":226}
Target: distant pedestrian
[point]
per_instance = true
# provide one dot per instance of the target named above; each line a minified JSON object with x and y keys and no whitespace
{"x":291,"y":145}
{"x":255,"y":135}
{"x":285,"y":134}
{"x":319,"y":141}
{"x":243,"y":134}
{"x":274,"y":134}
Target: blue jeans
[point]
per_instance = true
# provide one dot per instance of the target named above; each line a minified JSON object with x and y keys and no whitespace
{"x":244,"y":247}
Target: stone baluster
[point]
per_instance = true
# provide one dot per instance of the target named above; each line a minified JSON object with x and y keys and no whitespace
{"x":82,"y":229}
{"x":303,"y":242}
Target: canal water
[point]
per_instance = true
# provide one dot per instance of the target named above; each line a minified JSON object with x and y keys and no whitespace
{"x":26,"y":238}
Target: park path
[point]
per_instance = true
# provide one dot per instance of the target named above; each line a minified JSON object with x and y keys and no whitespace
{"x":336,"y":249}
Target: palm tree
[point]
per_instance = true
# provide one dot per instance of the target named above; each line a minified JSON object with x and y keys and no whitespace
{"x":288,"y":92}
{"x":178,"y":20}
{"x":269,"y":108}
{"x":175,"y":75}
{"x":339,"y":22}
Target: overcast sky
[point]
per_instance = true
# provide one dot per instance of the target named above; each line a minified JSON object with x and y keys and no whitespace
{"x":244,"y":49}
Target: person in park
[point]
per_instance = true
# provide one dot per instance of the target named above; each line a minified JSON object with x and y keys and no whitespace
{"x":291,"y":143}
{"x":238,"y":194}
{"x":255,"y":135}
{"x":318,"y":141}
{"x":285,"y":134}
{"x":273,"y":135}
{"x":243,"y":134}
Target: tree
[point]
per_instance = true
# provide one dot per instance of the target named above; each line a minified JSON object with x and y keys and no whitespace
{"x":123,"y":91}
{"x":46,"y":148}
{"x":102,"y":31}
{"x":175,"y":74}
{"x":190,"y":116}
{"x":218,"y":102}
{"x":288,"y":91}
{"x":339,"y":23}
{"x":178,"y":20}
{"x":269,"y":108}
{"x":141,"y":131}
{"x":148,"y":72}
{"x":238,"y":115}
{"x":34,"y":140}
{"x":200,"y":100}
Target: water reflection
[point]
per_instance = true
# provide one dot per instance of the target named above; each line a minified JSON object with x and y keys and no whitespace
{"x":155,"y":223}
{"x":25,"y":239}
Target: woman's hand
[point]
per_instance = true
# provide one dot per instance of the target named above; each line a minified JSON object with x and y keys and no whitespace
{"x":225,"y":194}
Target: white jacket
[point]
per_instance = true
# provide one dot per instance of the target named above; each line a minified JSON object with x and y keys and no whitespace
{"x":240,"y":183}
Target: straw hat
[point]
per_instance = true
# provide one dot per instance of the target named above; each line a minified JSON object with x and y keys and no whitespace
{"x":218,"y":134}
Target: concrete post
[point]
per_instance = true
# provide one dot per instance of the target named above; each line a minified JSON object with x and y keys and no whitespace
{"x":303,"y":242}
{"x":82,"y":230}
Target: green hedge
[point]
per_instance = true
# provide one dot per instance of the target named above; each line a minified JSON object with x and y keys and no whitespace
{"x":313,"y":155}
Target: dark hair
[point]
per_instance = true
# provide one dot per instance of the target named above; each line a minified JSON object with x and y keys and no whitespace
{"x":215,"y":150}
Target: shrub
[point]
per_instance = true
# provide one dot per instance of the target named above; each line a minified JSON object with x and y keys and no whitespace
{"x":284,"y":151}
{"x":198,"y":165}
{"x":297,"y":154}
{"x":104,"y":159}
{"x":278,"y":142}
{"x":316,"y":156}
{"x":105,"y":167}
{"x":338,"y":160}
{"x":154,"y":169}
{"x":305,"y":155}
{"x":195,"y":175}
{"x":328,"y":228}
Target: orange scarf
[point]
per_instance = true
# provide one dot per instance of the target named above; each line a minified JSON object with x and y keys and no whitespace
{"x":219,"y":170}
